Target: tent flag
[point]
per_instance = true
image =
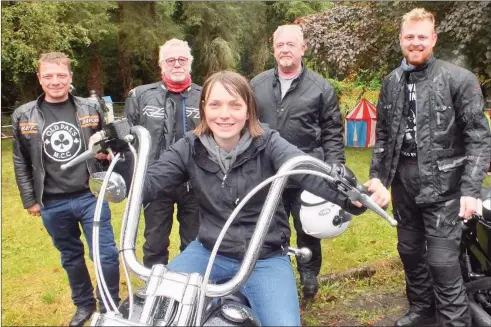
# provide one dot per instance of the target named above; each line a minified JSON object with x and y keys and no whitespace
{"x":360,"y":125}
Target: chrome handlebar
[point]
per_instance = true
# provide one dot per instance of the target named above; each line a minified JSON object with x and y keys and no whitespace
{"x":131,"y":218}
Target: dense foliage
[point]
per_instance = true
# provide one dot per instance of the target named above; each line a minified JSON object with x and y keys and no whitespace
{"x":114,"y":45}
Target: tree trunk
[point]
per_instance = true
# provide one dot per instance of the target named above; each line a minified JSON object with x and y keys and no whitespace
{"x":95,"y":77}
{"x":124,"y":56}
{"x":124,"y":70}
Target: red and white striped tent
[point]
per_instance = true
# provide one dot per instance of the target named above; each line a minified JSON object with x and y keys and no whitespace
{"x":360,"y":125}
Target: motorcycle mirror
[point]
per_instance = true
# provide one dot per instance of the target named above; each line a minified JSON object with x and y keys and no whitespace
{"x":116,"y":187}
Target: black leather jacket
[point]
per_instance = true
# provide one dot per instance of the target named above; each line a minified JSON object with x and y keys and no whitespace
{"x":454,"y":143}
{"x":308,"y":116}
{"x":150,"y":106}
{"x":218,"y":195}
{"x":27,"y":128}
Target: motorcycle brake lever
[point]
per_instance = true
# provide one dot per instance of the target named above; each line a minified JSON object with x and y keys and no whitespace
{"x":360,"y":193}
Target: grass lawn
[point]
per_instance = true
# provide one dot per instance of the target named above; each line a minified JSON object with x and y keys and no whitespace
{"x":35,"y":289}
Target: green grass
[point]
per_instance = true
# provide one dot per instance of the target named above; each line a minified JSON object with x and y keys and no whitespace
{"x":35,"y":289}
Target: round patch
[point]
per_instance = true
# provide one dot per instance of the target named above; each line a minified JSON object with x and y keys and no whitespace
{"x":61,"y":141}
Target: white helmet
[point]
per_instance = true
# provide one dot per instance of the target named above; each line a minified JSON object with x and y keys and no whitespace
{"x":321,"y":218}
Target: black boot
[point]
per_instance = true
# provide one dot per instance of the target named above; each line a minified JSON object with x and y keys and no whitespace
{"x":411,"y":318}
{"x":310,"y":284}
{"x":82,"y":315}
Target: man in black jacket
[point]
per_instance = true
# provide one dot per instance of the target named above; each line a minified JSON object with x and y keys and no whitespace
{"x":168,"y":109}
{"x":432,"y":147}
{"x":48,"y":132}
{"x":303,"y":107}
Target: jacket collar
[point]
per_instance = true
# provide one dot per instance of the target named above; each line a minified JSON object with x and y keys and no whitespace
{"x":422,"y":73}
{"x":257,"y":145}
{"x":302,"y":73}
{"x":71,"y":97}
{"x":183,"y":93}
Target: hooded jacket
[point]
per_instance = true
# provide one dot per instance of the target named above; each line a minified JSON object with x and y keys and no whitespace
{"x":219,"y":193}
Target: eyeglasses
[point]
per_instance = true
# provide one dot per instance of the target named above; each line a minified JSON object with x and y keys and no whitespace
{"x":172,"y":61}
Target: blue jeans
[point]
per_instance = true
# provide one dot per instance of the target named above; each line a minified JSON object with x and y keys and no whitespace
{"x":61,"y":219}
{"x":271,"y":288}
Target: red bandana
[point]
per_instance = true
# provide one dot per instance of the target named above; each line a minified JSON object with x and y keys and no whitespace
{"x":177,"y":87}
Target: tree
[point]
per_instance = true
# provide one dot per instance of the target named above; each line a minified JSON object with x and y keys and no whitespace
{"x":31,"y":28}
{"x":143,"y":27}
{"x":361,"y":38}
{"x":342,"y":39}
{"x":465,"y":38}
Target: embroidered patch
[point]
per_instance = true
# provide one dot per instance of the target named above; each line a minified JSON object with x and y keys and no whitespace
{"x":61,"y":141}
{"x":28,"y":128}
{"x":89,"y":121}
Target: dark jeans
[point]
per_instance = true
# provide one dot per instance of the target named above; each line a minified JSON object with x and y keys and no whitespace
{"x":159,"y":216}
{"x":428,"y":243}
{"x":62,"y":219}
{"x":292,"y":203}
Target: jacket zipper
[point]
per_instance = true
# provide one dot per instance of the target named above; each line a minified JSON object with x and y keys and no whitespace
{"x":42,"y":157}
{"x":236,"y":164}
{"x":184,"y":125}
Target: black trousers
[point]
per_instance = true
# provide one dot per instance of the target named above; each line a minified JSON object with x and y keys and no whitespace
{"x":428,"y":243}
{"x":159,"y":216}
{"x":292,"y":203}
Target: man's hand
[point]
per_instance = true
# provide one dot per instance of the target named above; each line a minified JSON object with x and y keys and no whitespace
{"x":380,"y":194}
{"x":468,"y":207}
{"x":94,"y":139}
{"x":34,"y":210}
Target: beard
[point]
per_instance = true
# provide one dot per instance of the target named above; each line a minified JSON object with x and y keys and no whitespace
{"x":177,"y":78}
{"x":416,"y":58}
{"x":286,"y":62}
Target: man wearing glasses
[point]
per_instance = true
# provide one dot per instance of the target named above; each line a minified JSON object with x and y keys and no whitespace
{"x":48,"y":132}
{"x":168,"y":109}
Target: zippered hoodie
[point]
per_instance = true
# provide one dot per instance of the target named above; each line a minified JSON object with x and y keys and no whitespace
{"x":219,"y":193}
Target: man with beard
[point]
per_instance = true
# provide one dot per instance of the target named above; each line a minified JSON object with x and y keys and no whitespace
{"x":432,"y":147}
{"x":303,"y":108}
{"x":168,"y":109}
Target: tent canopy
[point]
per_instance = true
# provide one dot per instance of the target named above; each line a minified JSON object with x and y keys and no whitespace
{"x":360,"y":125}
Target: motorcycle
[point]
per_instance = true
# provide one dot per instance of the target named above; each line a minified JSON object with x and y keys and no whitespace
{"x":173,"y":298}
{"x":476,"y":261}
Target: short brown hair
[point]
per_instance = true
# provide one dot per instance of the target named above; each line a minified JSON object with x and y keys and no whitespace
{"x":418,"y":14}
{"x":55,"y":57}
{"x":235,"y":84}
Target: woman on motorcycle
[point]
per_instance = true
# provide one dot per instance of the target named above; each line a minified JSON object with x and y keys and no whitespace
{"x":225,"y":157}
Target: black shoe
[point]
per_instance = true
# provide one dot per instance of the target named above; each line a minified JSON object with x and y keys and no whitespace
{"x":82,"y":315}
{"x":310,"y":284}
{"x":411,"y":318}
